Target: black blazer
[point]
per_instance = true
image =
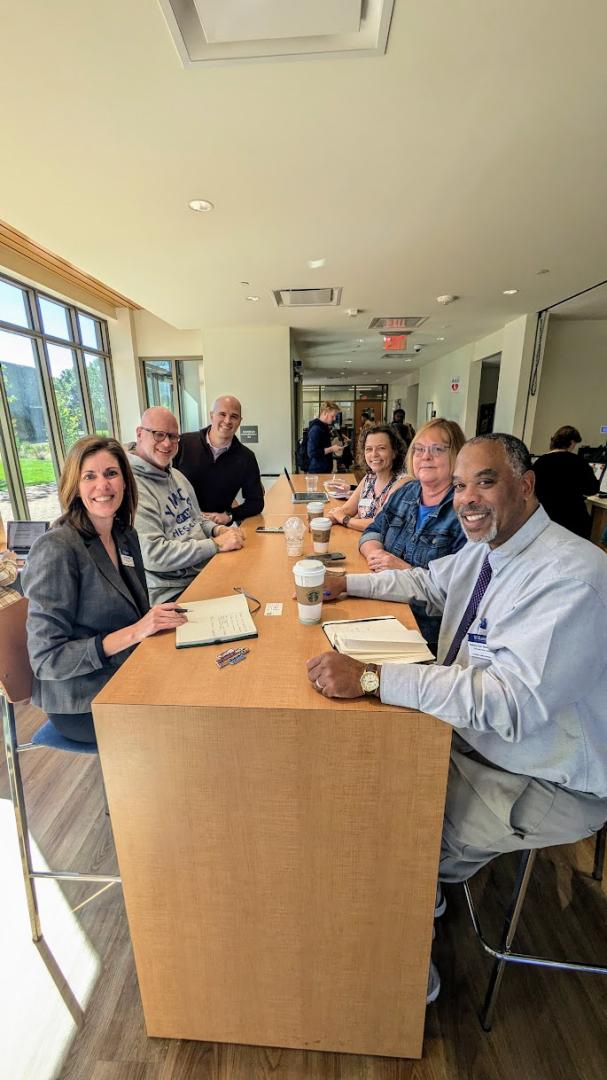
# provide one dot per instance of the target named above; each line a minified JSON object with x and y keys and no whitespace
{"x":77,"y":596}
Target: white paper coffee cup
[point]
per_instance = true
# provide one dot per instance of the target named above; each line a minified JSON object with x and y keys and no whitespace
{"x":314,"y":510}
{"x":309,"y":577}
{"x":321,"y":533}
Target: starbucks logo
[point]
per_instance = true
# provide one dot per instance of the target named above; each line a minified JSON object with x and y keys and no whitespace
{"x":313,"y":597}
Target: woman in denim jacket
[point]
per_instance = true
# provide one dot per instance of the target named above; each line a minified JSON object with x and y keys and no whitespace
{"x":418,"y":523}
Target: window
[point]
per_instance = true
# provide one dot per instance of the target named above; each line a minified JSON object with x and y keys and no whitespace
{"x":177,"y":385}
{"x":55,"y":387}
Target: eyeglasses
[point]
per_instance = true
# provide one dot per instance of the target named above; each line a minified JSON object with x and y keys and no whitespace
{"x":435,"y":450}
{"x":160,"y":436}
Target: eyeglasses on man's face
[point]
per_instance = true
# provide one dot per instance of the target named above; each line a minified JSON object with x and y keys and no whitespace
{"x":434,"y":449}
{"x":160,"y":436}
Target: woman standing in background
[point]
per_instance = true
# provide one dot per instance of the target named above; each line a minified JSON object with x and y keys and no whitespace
{"x":562,"y":479}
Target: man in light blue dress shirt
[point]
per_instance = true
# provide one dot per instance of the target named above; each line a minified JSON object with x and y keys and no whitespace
{"x":527,"y":689}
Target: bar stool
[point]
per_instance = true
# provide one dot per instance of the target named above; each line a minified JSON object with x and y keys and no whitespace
{"x":504,"y":954}
{"x":16,"y":686}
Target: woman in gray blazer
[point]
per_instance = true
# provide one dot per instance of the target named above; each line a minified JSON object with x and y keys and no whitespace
{"x":85,"y":582}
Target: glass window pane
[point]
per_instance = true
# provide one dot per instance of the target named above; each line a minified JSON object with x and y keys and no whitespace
{"x":90,"y":331}
{"x":68,"y":396}
{"x":191,"y":381}
{"x":99,"y":394}
{"x":14,"y":305}
{"x":7,"y":509}
{"x":55,"y":320}
{"x":22,"y":388}
{"x":159,"y":384}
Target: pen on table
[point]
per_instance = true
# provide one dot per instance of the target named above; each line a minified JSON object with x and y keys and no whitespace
{"x":180,"y":610}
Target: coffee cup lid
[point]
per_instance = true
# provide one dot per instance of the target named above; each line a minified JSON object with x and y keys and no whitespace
{"x":308,"y":566}
{"x":321,"y":523}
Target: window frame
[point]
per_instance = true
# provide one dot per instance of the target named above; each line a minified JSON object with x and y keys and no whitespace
{"x":40,"y":341}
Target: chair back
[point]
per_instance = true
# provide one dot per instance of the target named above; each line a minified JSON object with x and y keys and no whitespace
{"x":15,"y":672}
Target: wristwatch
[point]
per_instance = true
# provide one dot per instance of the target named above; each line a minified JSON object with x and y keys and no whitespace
{"x":346,"y":519}
{"x":369,"y":680}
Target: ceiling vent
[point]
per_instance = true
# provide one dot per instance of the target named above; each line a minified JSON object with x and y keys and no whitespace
{"x":397,"y":324}
{"x":330,"y":297}
{"x":240,"y":32}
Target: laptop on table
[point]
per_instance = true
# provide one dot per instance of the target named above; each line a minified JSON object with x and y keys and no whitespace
{"x":305,"y":496}
{"x":20,"y":536}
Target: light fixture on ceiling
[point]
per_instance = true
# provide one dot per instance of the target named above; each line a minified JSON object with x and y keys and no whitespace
{"x":388,"y":373}
{"x":448,"y":298}
{"x":316,"y":264}
{"x":253,"y":299}
{"x":347,"y":361}
{"x":510,"y":292}
{"x":201,"y":206}
{"x":440,"y":339}
{"x":245,"y":282}
{"x":544,"y":270}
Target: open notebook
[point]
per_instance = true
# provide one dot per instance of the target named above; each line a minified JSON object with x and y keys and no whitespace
{"x":383,"y":640}
{"x":211,"y":622}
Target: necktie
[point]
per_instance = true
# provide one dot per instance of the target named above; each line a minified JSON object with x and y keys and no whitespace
{"x":469,"y":614}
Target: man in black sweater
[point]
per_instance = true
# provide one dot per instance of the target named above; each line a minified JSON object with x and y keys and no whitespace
{"x":218,"y":466}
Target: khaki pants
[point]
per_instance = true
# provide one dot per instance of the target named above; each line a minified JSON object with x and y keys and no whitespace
{"x":490,"y":811}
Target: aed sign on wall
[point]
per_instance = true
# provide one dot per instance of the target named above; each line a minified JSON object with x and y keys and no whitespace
{"x":455,"y":384}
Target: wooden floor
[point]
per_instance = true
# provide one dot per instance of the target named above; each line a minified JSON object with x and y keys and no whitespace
{"x":72,"y":1009}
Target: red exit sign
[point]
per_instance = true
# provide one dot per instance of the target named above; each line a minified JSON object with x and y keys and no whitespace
{"x":395,"y":342}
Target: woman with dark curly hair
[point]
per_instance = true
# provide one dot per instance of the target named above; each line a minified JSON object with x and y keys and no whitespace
{"x":85,"y":582}
{"x":563,"y":479}
{"x":383,"y":452}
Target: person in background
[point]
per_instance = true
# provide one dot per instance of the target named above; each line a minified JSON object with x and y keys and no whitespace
{"x":321,"y":445}
{"x":418,"y":524}
{"x":383,"y":453}
{"x":562,"y":479}
{"x":218,"y":466}
{"x":85,"y":583}
{"x":406,"y":431}
{"x":176,"y":540}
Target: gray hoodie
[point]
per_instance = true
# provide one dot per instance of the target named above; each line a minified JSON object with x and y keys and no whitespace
{"x":175,"y":541}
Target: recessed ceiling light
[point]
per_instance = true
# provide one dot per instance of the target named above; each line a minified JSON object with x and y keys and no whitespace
{"x":316,"y":264}
{"x":440,"y":339}
{"x":347,"y":361}
{"x":447,"y":298}
{"x":388,"y":373}
{"x":253,"y":299}
{"x":201,"y":206}
{"x":510,"y":292}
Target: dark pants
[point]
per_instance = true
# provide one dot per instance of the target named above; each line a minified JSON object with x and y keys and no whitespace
{"x":76,"y":726}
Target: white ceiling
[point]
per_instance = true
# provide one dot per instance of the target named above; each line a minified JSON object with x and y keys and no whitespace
{"x":465,"y":160}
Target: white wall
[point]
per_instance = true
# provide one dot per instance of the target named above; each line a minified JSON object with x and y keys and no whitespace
{"x":254,"y":364}
{"x":159,"y":339}
{"x":572,"y":387}
{"x":129,"y":395}
{"x":515,"y":343}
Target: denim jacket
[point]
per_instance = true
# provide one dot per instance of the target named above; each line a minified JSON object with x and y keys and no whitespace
{"x":396,"y":527}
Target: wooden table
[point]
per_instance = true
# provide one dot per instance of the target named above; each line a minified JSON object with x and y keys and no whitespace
{"x":278,"y":850}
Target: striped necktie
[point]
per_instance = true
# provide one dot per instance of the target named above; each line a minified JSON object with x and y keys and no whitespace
{"x":470,"y":613}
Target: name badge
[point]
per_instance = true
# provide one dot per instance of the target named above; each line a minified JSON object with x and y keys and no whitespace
{"x":477,"y":647}
{"x":126,"y":559}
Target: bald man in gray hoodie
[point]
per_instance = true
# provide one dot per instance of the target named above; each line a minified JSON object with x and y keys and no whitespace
{"x":176,"y":542}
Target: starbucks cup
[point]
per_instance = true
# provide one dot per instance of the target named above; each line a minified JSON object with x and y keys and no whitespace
{"x":309,"y":577}
{"x":314,"y":510}
{"x":320,"y":528}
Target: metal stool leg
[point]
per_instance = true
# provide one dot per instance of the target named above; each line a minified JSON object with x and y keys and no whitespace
{"x":599,"y":853}
{"x":16,"y":787}
{"x":512,"y":917}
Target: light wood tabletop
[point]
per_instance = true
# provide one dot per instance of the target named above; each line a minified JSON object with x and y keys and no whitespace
{"x":278,"y":850}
